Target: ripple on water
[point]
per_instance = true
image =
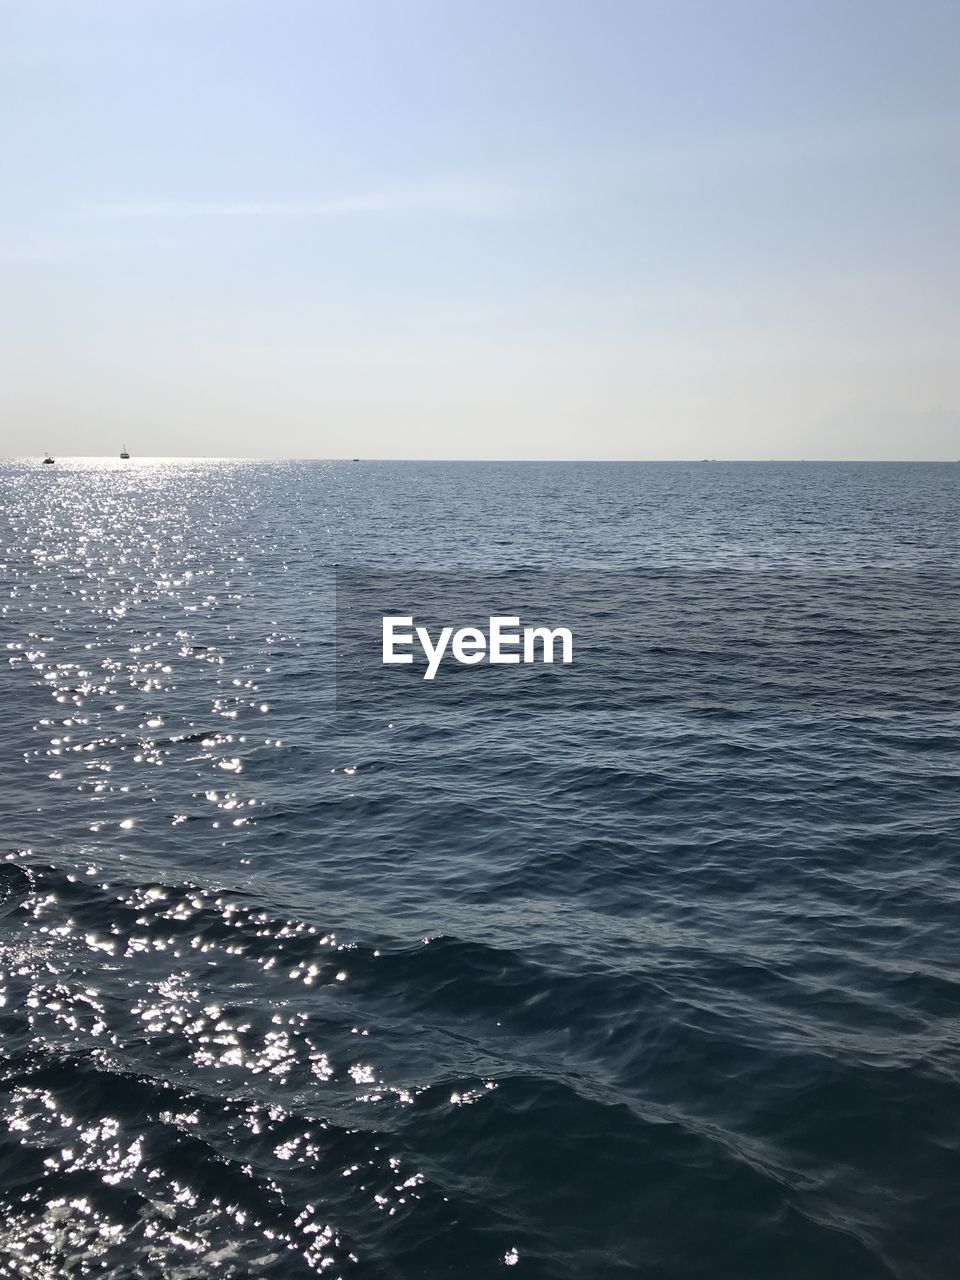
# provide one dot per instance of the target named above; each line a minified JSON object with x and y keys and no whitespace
{"x":592,"y":995}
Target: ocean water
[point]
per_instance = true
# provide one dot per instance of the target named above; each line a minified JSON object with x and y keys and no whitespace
{"x":300,"y":985}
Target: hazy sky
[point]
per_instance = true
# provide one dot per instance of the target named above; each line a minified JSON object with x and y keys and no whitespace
{"x":480,"y":228}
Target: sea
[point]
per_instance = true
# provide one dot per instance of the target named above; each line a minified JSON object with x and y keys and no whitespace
{"x":304,"y":975}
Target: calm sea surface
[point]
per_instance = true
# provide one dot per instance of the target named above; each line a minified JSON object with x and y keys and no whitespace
{"x":291,"y":990}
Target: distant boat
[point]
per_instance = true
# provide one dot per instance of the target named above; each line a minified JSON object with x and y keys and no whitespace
{"x":356,"y":459}
{"x":48,"y":461}
{"x":123,"y":452}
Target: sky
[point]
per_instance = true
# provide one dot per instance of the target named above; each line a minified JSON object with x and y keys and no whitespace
{"x":613,"y":229}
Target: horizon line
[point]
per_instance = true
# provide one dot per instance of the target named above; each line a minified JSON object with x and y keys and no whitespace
{"x":225,"y":457}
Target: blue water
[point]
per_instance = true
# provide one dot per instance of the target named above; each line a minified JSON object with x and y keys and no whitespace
{"x":588,"y":993}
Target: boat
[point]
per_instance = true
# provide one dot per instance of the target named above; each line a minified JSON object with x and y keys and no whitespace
{"x":123,"y":452}
{"x":48,"y":461}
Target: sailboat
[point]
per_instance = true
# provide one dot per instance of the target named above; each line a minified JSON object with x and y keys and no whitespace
{"x":123,"y":451}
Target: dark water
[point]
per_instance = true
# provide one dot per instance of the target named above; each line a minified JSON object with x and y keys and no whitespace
{"x":593,"y":993}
